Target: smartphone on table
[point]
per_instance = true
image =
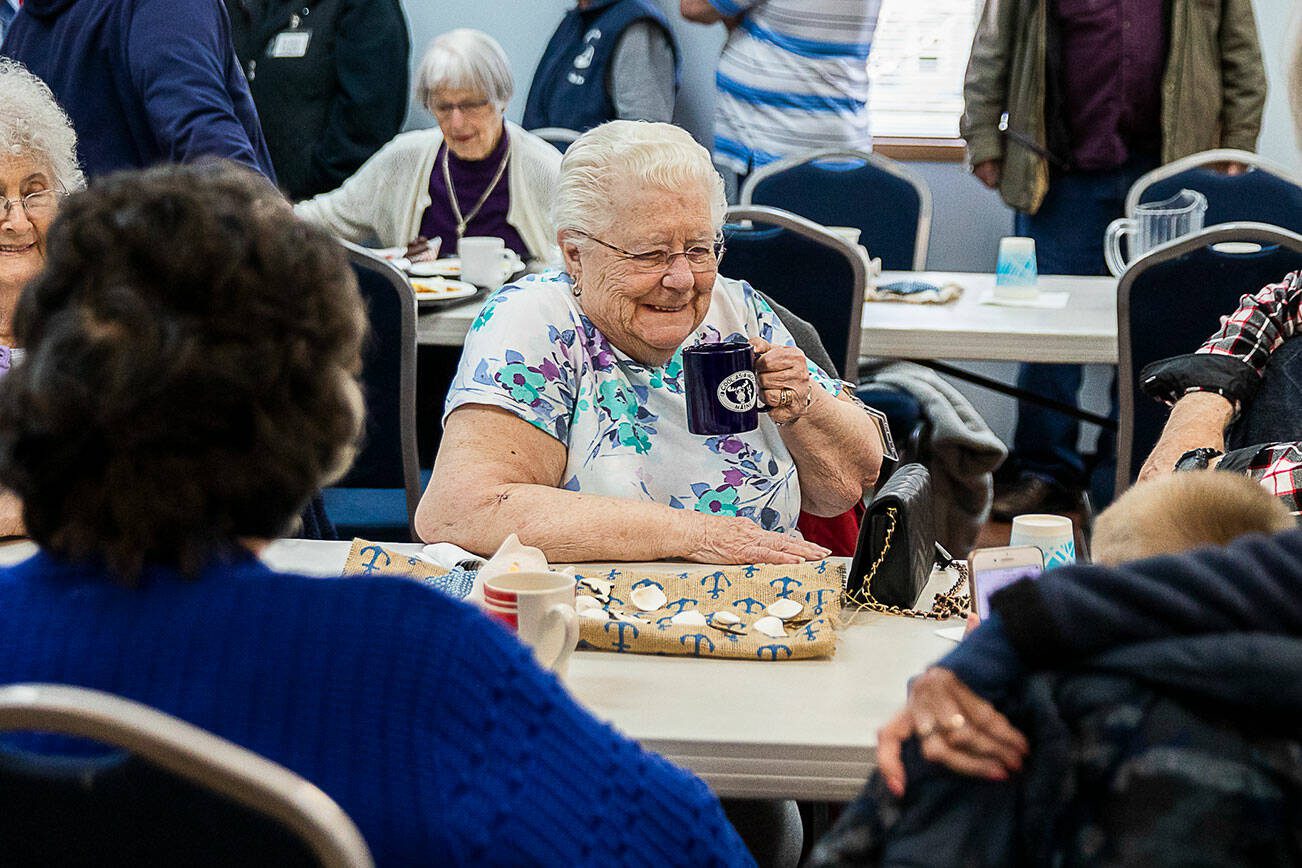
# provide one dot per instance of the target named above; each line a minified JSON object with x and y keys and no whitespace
{"x":994,"y":568}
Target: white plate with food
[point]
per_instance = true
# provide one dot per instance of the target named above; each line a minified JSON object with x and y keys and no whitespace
{"x":450,"y":266}
{"x":441,"y":289}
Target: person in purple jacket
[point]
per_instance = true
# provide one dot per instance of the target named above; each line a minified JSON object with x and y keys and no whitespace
{"x":144,"y":81}
{"x":190,"y":379}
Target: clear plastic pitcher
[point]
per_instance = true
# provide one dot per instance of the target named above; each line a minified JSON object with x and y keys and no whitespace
{"x":1154,"y":223}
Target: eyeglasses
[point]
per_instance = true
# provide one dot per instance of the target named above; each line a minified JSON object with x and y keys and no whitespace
{"x":36,"y":204}
{"x":699,"y":256}
{"x":469,"y":107}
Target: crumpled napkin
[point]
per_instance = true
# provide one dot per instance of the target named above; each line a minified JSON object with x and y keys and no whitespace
{"x":512,"y":556}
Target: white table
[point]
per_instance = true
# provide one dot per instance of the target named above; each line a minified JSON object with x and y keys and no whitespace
{"x":801,"y":729}
{"x":1085,"y":331}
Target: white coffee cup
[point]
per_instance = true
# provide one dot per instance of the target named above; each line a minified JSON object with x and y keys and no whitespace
{"x":482,"y":258}
{"x":1051,"y":534}
{"x":539,"y":608}
{"x":1016,"y":275}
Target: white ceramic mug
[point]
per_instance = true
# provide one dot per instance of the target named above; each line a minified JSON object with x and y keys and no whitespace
{"x":482,"y":258}
{"x":1051,"y":534}
{"x":1016,"y":274}
{"x":539,"y":609}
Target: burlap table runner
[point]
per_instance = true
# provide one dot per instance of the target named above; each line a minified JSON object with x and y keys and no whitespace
{"x":745,"y":591}
{"x":366,"y":558}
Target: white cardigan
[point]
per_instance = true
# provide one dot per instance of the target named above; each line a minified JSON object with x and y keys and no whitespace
{"x":386,"y":198}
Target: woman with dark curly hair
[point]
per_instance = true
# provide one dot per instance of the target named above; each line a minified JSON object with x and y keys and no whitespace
{"x":190,"y":379}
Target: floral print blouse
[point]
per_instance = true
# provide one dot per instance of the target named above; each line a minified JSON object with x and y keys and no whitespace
{"x":531,"y":351}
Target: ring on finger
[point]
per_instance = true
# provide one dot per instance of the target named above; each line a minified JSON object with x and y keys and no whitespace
{"x":786,"y":397}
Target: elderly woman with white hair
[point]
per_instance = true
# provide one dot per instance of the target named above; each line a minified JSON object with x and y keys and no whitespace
{"x":38,"y":166}
{"x":474,"y":174}
{"x":567,"y":420}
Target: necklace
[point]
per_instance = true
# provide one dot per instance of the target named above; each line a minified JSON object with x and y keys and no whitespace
{"x":452,"y":194}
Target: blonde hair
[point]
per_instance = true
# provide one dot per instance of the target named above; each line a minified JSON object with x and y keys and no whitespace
{"x":465,"y":59}
{"x":1182,"y":511}
{"x":33,"y":125}
{"x":652,"y":154}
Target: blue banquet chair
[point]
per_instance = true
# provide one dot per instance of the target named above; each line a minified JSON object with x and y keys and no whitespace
{"x":377,"y":498}
{"x":1170,"y":300}
{"x":889,"y":204}
{"x":163,"y":792}
{"x":559,"y":138}
{"x":1266,"y":193}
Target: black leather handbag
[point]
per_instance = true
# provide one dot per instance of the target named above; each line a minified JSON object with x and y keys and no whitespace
{"x":897,"y":549}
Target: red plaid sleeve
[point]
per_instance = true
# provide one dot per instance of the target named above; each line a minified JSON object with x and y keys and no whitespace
{"x":1278,"y":466}
{"x":1262,"y":322}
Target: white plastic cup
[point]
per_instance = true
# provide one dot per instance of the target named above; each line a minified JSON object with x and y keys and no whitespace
{"x":1051,"y":534}
{"x":1016,"y":275}
{"x":481,"y":260}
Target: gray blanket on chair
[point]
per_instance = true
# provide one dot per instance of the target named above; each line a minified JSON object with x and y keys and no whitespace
{"x":964,"y":451}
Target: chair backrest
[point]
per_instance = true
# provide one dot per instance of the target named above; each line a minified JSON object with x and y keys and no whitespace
{"x":1170,"y":301}
{"x":816,"y":274}
{"x":888,"y":203}
{"x":558,"y":137}
{"x":1266,"y":193}
{"x":388,"y":457}
{"x":181,"y":795}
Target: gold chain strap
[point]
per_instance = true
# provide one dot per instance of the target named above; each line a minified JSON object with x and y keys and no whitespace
{"x":950,"y":604}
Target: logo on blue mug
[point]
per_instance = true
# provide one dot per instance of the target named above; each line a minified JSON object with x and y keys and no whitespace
{"x":737,"y":391}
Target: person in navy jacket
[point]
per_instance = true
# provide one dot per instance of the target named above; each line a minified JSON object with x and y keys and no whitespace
{"x":608,"y":60}
{"x":144,"y":81}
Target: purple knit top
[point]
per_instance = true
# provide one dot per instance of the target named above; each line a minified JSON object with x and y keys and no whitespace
{"x":471,"y":178}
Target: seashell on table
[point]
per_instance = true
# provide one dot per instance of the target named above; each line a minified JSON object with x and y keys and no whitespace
{"x":688,"y":618}
{"x":771,"y":625}
{"x":648,"y":598}
{"x":784,"y":609}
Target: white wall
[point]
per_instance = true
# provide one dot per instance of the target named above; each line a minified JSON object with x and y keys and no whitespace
{"x":1280,"y":24}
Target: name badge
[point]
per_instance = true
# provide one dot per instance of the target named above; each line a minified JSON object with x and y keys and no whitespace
{"x":291,"y":43}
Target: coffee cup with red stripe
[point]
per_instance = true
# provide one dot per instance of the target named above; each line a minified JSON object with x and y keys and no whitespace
{"x":539,"y":609}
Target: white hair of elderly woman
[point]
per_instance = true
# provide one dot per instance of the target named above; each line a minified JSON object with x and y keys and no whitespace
{"x":33,"y":125}
{"x":465,"y":59}
{"x":653,"y":154}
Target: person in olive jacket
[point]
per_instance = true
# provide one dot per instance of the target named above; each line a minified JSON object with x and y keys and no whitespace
{"x":1068,"y":103}
{"x":330,"y":80}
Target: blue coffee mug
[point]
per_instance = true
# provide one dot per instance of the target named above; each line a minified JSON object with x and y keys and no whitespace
{"x":722,"y":390}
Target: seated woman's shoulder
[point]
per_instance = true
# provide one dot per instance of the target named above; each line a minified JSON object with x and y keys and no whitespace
{"x":535,"y":301}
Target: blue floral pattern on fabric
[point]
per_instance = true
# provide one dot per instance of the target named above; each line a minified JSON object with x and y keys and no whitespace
{"x":533,"y":352}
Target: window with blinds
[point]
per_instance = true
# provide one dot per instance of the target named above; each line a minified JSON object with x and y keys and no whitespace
{"x":919,"y":54}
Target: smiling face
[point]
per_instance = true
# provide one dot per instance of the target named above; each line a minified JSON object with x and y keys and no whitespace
{"x":647,"y":315}
{"x":470,"y":121}
{"x":22,"y":236}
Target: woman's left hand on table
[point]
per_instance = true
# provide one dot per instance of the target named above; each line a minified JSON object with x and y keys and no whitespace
{"x":784,"y":382}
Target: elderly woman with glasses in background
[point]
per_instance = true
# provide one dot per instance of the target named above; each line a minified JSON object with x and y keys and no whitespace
{"x":567,"y":420}
{"x":38,"y":164}
{"x":475,"y":174}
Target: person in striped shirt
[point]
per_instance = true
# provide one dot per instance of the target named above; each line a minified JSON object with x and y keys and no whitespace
{"x":793,"y":77}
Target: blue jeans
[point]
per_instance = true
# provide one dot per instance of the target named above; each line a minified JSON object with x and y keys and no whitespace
{"x":1274,"y":414}
{"x":1068,"y":231}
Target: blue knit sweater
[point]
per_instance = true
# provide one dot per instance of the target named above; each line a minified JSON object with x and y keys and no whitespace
{"x":431,"y":726}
